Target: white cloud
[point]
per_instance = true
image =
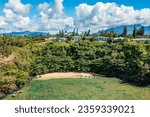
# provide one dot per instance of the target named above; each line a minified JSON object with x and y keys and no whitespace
{"x":22,"y":23}
{"x":144,"y":16}
{"x":16,"y":15}
{"x":58,"y":8}
{"x":53,"y":18}
{"x":44,"y":6}
{"x":17,"y":7}
{"x":9,"y":15}
{"x":105,"y":15}
{"x":3,"y":24}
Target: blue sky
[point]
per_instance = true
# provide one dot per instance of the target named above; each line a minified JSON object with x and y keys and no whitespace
{"x":46,"y":15}
{"x":70,"y":4}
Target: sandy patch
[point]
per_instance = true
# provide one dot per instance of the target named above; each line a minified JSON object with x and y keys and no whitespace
{"x":8,"y":59}
{"x":65,"y":75}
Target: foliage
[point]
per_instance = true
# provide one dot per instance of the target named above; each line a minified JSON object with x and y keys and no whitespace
{"x":138,"y":32}
{"x":21,"y":76}
{"x":7,"y":84}
{"x":13,"y":41}
{"x":108,"y":34}
{"x":127,"y":60}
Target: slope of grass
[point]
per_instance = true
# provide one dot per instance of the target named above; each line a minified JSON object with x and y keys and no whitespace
{"x":81,"y":89}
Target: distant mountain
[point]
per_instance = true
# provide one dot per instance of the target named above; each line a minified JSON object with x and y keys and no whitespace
{"x":26,"y":33}
{"x":119,"y":29}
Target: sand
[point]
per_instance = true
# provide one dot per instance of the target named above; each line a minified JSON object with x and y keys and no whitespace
{"x":65,"y":75}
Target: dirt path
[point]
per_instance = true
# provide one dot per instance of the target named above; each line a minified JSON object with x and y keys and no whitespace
{"x":65,"y":75}
{"x":8,"y":59}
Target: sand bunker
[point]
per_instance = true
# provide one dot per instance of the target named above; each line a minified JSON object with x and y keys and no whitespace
{"x":65,"y":75}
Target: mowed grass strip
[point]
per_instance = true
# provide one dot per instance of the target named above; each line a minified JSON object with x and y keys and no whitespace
{"x":81,"y":89}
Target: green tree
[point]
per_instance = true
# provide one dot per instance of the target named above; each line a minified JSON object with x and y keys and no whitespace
{"x":88,"y":33}
{"x":142,"y":30}
{"x":124,"y":33}
{"x":77,"y":33}
{"x":134,"y":32}
{"x":74,"y":32}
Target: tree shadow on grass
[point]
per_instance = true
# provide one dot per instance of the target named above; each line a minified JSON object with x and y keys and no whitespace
{"x":124,"y":80}
{"x":136,"y":84}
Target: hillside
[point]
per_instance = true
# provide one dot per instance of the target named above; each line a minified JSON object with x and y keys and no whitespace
{"x":26,"y":33}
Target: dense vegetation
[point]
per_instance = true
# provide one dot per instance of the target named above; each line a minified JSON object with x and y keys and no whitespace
{"x":15,"y":60}
{"x":28,"y":56}
{"x":127,"y":60}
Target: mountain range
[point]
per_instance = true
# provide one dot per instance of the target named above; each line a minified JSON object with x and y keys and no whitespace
{"x":119,"y":29}
{"x":26,"y":33}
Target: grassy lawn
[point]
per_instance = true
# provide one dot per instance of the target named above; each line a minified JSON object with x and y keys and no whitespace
{"x":81,"y":89}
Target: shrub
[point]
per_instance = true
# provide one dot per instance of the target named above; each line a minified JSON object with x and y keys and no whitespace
{"x":21,"y":76}
{"x":7,"y":84}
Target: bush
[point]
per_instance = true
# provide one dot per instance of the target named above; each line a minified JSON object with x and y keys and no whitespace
{"x":7,"y":84}
{"x":21,"y":76}
{"x":127,"y":60}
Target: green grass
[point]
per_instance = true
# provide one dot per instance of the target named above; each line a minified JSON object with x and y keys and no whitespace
{"x":81,"y":89}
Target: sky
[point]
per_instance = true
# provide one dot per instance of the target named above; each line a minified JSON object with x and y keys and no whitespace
{"x":54,"y":15}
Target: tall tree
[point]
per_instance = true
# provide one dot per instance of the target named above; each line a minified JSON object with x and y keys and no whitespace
{"x":77,"y":32}
{"x":73,"y":34}
{"x":142,"y":30}
{"x":134,"y":32}
{"x":124,"y":33}
{"x":88,"y":33}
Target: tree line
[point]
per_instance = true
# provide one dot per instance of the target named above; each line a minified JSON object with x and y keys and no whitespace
{"x":112,"y":34}
{"x":126,"y":60}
